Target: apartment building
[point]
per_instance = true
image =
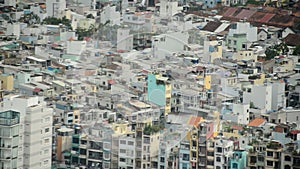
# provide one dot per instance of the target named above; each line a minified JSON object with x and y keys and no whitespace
{"x":184,"y":155}
{"x":91,"y":148}
{"x":256,"y":155}
{"x":159,"y":91}
{"x":10,"y":155}
{"x":222,"y":153}
{"x":35,"y":130}
{"x":55,"y":7}
{"x":239,"y":160}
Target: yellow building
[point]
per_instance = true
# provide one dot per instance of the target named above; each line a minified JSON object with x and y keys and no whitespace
{"x":207,"y":82}
{"x":86,"y":23}
{"x":246,"y":55}
{"x":121,"y":127}
{"x":7,"y":82}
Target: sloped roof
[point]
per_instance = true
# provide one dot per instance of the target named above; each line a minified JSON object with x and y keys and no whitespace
{"x":257,"y":122}
{"x":230,"y":12}
{"x":292,"y":39}
{"x":267,"y":17}
{"x":283,"y":20}
{"x":194,"y":121}
{"x":212,"y":26}
{"x":257,"y":16}
{"x":245,"y":14}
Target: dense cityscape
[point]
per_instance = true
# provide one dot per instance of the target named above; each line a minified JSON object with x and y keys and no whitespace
{"x":150,"y":84}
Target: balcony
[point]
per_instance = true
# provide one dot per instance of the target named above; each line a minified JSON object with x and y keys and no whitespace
{"x":202,"y":153}
{"x":83,"y":146}
{"x":210,"y":149}
{"x":210,"y":158}
{"x":193,"y":159}
{"x":82,"y":156}
{"x":5,"y":147}
{"x":202,"y":163}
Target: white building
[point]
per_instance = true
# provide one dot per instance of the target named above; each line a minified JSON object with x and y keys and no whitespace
{"x":110,"y":14}
{"x":55,"y":7}
{"x":259,"y":95}
{"x":238,"y":113}
{"x":168,"y":8}
{"x":9,"y":3}
{"x":127,"y":156}
{"x":76,"y":47}
{"x":35,"y":134}
{"x":244,"y":28}
{"x":278,"y":95}
{"x":13,"y":29}
{"x":223,"y":150}
{"x":212,"y":49}
{"x":167,"y":44}
{"x":124,"y":39}
{"x":36,"y":9}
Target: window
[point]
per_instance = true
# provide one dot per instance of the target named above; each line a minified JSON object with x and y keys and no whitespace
{"x":287,"y":158}
{"x":46,"y":151}
{"x":218,"y":159}
{"x":269,"y":163}
{"x":219,"y":149}
{"x":122,"y":159}
{"x":123,"y":142}
{"x":270,"y":153}
{"x":131,"y":143}
{"x":47,"y":141}
{"x":287,"y":167}
{"x":47,"y":130}
{"x":122,"y":151}
{"x":46,"y":162}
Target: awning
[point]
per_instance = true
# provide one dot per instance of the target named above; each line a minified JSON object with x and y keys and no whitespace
{"x":37,"y":90}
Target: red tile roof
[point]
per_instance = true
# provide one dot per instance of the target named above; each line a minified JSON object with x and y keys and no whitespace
{"x":194,"y":121}
{"x":257,"y":122}
{"x":295,"y":132}
{"x":237,"y":127}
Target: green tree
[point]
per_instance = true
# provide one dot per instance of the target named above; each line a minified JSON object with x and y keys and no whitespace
{"x":297,"y":50}
{"x":57,"y":21}
{"x":271,"y":52}
{"x":30,"y":19}
{"x":276,"y":50}
{"x":82,"y":33}
{"x":90,"y":16}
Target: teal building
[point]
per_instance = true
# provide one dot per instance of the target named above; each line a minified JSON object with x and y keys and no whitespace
{"x":159,"y":91}
{"x":239,"y":160}
{"x":237,"y":42}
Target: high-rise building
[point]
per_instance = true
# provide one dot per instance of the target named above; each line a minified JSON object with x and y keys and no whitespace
{"x":55,"y":7}
{"x":35,"y":130}
{"x":9,"y":140}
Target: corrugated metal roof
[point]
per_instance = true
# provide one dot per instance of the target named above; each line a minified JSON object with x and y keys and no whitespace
{"x":230,"y":12}
{"x":245,"y":14}
{"x":267,"y":17}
